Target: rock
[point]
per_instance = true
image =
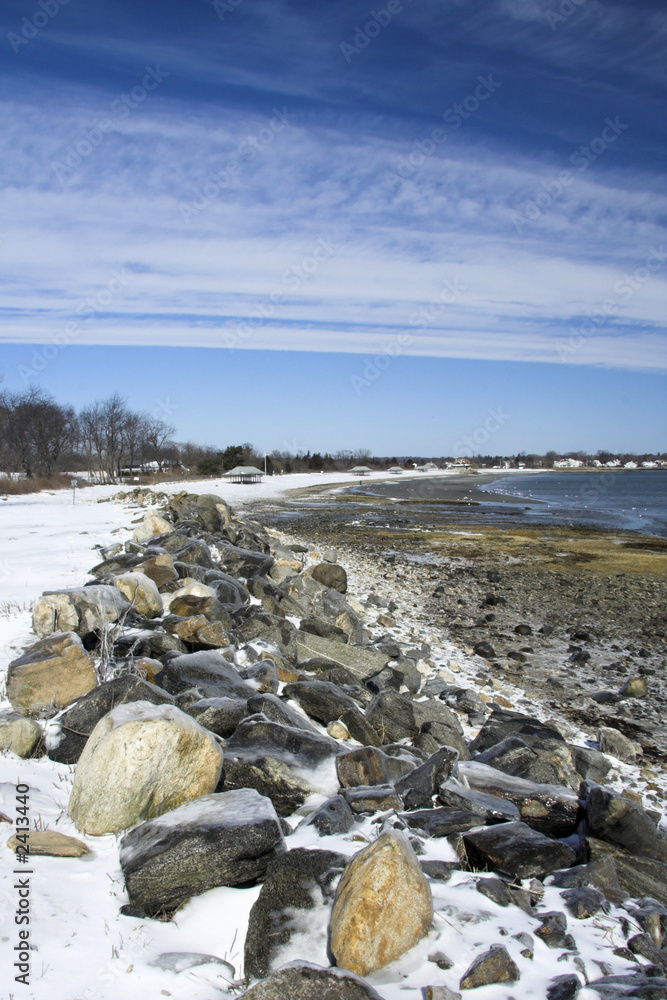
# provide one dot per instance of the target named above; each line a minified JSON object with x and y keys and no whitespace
{"x":441,"y":960}
{"x":321,"y":700}
{"x":601,"y":874}
{"x":622,"y":822}
{"x":440,"y":822}
{"x":51,"y":674}
{"x":334,"y":816}
{"x":440,"y":993}
{"x":277,"y":710}
{"x":485,"y":650}
{"x":565,"y":987}
{"x":274,"y":629}
{"x":639,"y":876}
{"x":369,"y":766}
{"x":212,"y":511}
{"x":489,"y":808}
{"x":504,"y":895}
{"x":300,"y":880}
{"x":152,"y":525}
{"x":208,"y":671}
{"x":179,"y":961}
{"x":542,"y":738}
{"x":392,"y":716}
{"x":383,"y":906}
{"x":258,"y":735}
{"x":330,"y":575}
{"x":82,"y":610}
{"x":189,"y":605}
{"x":584,"y":902}
{"x":197,"y":632}
{"x":300,"y":981}
{"x":360,"y":728}
{"x":648,"y":987}
{"x":493,"y":966}
{"x":287,"y":787}
{"x":159,"y":569}
{"x":337,"y":731}
{"x":318,"y":626}
{"x":552,"y":929}
{"x":244,"y":562}
{"x":140,"y":591}
{"x":634,"y":688}
{"x":361,"y":663}
{"x":52,"y":843}
{"x":516,"y":850}
{"x":371,"y":798}
{"x":67,"y":733}
{"x":18,"y":734}
{"x":514,"y":756}
{"x":219,"y":715}
{"x":551,"y":809}
{"x":590,"y":763}
{"x":141,"y":760}
{"x":618,"y":745}
{"x":226,"y":838}
{"x":418,"y":786}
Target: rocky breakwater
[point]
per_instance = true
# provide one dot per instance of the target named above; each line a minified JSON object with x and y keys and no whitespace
{"x":231,"y":714}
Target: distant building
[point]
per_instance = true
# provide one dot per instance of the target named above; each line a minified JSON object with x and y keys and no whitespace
{"x":244,"y":474}
{"x":630,"y":465}
{"x":360,"y":470}
{"x":568,"y":463}
{"x":395,"y":470}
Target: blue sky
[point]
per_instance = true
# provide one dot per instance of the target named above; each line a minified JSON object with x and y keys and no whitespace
{"x":315,"y":224}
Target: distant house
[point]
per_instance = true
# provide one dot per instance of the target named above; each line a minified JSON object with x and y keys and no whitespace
{"x":568,"y":463}
{"x":630,"y":465}
{"x":244,"y":474}
{"x":360,"y":470}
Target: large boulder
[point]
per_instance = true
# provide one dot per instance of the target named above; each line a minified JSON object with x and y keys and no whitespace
{"x":227,"y":838}
{"x":383,"y":906}
{"x":622,"y":822}
{"x":392,"y":716}
{"x":158,"y":568}
{"x":206,"y":670}
{"x":141,"y":592}
{"x":244,"y":562}
{"x":302,"y":981}
{"x":361,"y":663}
{"x":141,"y":760}
{"x":82,"y":610}
{"x":517,"y":850}
{"x":51,"y":674}
{"x":300,"y":880}
{"x":151,"y":525}
{"x":330,"y":575}
{"x":68,"y":732}
{"x":321,"y":700}
{"x":370,"y":766}
{"x":552,"y":763}
{"x":273,"y":629}
{"x":18,"y":735}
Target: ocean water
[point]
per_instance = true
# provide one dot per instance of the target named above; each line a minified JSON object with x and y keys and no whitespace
{"x":626,"y":500}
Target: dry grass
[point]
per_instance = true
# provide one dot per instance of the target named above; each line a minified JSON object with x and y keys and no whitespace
{"x":21,"y":487}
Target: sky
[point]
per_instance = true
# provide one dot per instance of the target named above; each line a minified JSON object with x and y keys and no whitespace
{"x":338,"y":224}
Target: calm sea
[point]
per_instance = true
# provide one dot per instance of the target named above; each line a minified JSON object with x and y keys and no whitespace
{"x":629,"y":500}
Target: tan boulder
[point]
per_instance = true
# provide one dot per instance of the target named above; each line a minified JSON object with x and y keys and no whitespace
{"x":160,"y":569}
{"x":18,"y":734}
{"x":140,"y":761}
{"x":383,"y":906}
{"x":50,"y":674}
{"x":151,"y":525}
{"x":57,"y":845}
{"x":197,"y":631}
{"x":141,"y":592}
{"x":189,"y":587}
{"x":81,"y":610}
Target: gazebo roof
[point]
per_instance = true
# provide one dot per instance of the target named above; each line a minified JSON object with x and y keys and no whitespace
{"x":361,"y":468}
{"x":245,"y":470}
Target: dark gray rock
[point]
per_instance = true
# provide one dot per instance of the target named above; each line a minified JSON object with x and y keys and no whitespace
{"x":584,"y":902}
{"x":622,"y":822}
{"x":440,"y":822}
{"x":544,"y":739}
{"x":590,"y":763}
{"x":219,"y":839}
{"x":68,"y":732}
{"x":276,"y":710}
{"x":277,"y":780}
{"x":566,"y":987}
{"x":208,"y":513}
{"x":324,"y":628}
{"x":273,"y":629}
{"x":300,"y":981}
{"x":292,"y":883}
{"x":231,"y":592}
{"x":600,"y":874}
{"x":219,"y":715}
{"x":485,"y":650}
{"x":370,"y":766}
{"x":503,"y":894}
{"x":418,"y":786}
{"x":493,"y":966}
{"x":371,"y":798}
{"x":638,"y":987}
{"x":517,"y":850}
{"x":638,"y":876}
{"x":238,"y":561}
{"x":552,"y":929}
{"x":333,"y":816}
{"x":321,"y":700}
{"x":358,"y":662}
{"x":188,"y":605}
{"x":489,"y":808}
{"x":208,"y":671}
{"x":392,"y":716}
{"x":642,"y":944}
{"x":256,"y":735}
{"x":513,"y":756}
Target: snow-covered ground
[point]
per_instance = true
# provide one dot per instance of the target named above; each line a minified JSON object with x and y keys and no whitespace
{"x":84,"y":950}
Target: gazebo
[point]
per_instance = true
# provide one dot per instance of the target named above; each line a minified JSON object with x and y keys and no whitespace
{"x":244,"y":474}
{"x":395,"y":470}
{"x":360,"y":470}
